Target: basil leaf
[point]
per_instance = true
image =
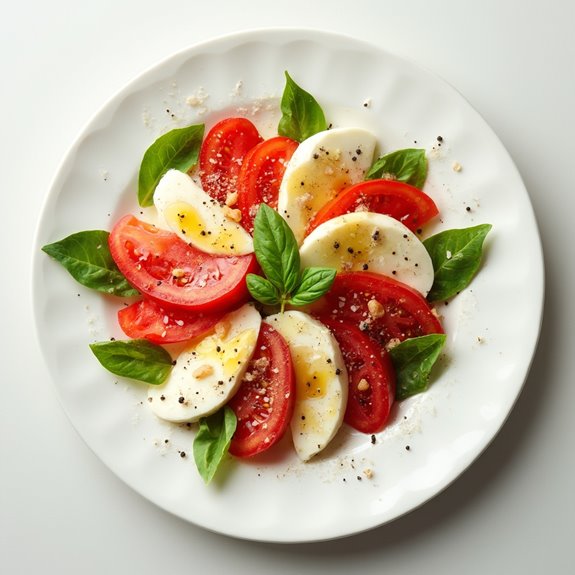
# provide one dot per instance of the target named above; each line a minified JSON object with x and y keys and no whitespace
{"x":276,"y":249}
{"x":178,"y":149}
{"x":87,"y":258}
{"x":409,"y":166}
{"x":456,"y":257}
{"x":313,"y":284}
{"x":413,"y":360}
{"x":136,"y":359}
{"x":213,"y":441}
{"x":262,"y":290}
{"x":302,"y":116}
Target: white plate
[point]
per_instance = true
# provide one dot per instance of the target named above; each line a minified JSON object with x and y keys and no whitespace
{"x":492,"y":327}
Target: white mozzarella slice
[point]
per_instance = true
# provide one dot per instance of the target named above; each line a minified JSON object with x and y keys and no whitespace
{"x":209,"y":372}
{"x":321,"y":381}
{"x":368,"y":241}
{"x":319,"y":169}
{"x":184,"y":208}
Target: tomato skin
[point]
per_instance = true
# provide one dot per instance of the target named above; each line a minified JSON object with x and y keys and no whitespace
{"x":261,"y":175}
{"x":412,"y":207}
{"x":370,"y":365}
{"x":276,"y":368}
{"x":149,"y":320}
{"x":168,"y":270}
{"x":405,"y":313}
{"x":222,"y":154}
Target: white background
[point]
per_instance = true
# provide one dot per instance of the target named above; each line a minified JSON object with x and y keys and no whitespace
{"x":62,"y":511}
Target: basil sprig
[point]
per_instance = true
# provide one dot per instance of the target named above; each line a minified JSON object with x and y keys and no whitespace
{"x":408,"y":165}
{"x":178,"y":149}
{"x":136,"y":359}
{"x":302,"y":116}
{"x":212,"y":441}
{"x":413,"y":360}
{"x":277,"y":253}
{"x":456,"y":256}
{"x":87,"y":258}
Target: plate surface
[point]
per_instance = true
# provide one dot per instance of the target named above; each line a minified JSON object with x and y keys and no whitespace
{"x":492,"y":326}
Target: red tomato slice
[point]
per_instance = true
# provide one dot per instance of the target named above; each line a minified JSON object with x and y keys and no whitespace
{"x":165,"y":268}
{"x":397,"y":311}
{"x":222,"y":153}
{"x":371,"y":377}
{"x":150,"y":320}
{"x":264,"y":402}
{"x":261,"y":175}
{"x":405,"y":203}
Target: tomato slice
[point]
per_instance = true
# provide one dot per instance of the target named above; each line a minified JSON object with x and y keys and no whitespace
{"x":371,"y":377}
{"x":261,"y":175}
{"x":222,"y":153}
{"x":385,"y":309}
{"x":405,"y":203}
{"x":150,"y":320}
{"x":264,"y":402}
{"x":165,"y":268}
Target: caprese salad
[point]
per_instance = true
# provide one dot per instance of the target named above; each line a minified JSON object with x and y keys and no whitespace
{"x":277,"y":284}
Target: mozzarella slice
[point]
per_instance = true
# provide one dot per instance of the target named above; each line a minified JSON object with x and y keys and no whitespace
{"x":184,"y":208}
{"x":319,"y":169}
{"x":368,"y":241}
{"x":321,"y":381}
{"x":208,"y":372}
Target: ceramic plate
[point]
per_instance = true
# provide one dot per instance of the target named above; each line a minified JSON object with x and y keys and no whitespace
{"x":492,"y":326}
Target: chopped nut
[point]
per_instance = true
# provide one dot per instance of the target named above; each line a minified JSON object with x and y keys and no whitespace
{"x":203,"y":371}
{"x":363,"y":385}
{"x":456,"y":167}
{"x":375,"y":308}
{"x":392,"y":343}
{"x":178,"y":273}
{"x":368,"y":473}
{"x":231,"y":199}
{"x":222,"y":328}
{"x":232,"y":214}
{"x":261,"y":363}
{"x":436,"y":313}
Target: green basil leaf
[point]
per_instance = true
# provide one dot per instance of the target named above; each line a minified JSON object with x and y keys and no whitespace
{"x":276,"y":249}
{"x":87,"y":258}
{"x":136,"y":359}
{"x":213,"y":441}
{"x":409,"y":166}
{"x":302,"y":116}
{"x":456,"y":256}
{"x":313,"y":284}
{"x":413,"y":360}
{"x":262,"y":290}
{"x":178,"y":149}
